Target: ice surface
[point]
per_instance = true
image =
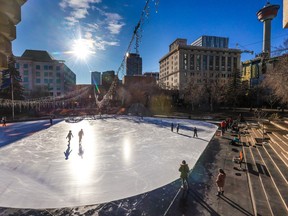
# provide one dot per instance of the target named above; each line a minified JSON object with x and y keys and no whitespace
{"x":121,"y":156}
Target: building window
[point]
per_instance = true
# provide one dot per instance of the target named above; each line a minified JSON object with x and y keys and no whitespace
{"x":46,"y":67}
{"x":38,"y":73}
{"x":38,"y":67}
{"x":46,"y":81}
{"x":223,"y":63}
{"x":46,"y":74}
{"x":26,"y":72}
{"x":235,"y":63}
{"x":211,"y":62}
{"x":192,"y":62}
{"x":58,"y":81}
{"x":57,"y":68}
{"x":205,"y":57}
{"x":50,"y":80}
{"x":38,"y":80}
{"x":25,"y":65}
{"x":198,"y":62}
{"x":229,"y":64}
{"x":50,"y":67}
{"x":25,"y":79}
{"x":185,"y":61}
{"x":17,"y":65}
{"x":50,"y":74}
{"x":217,"y":62}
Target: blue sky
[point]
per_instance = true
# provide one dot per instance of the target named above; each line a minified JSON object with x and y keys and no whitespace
{"x":106,"y":27}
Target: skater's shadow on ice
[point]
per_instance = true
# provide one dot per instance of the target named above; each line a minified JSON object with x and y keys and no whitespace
{"x":185,"y":135}
{"x":67,"y":152}
{"x":81,"y":151}
{"x":201,"y":139}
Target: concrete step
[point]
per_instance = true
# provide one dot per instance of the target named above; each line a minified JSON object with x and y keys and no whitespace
{"x":272,"y":195}
{"x":279,"y":142}
{"x":279,"y":181}
{"x":279,"y":151}
{"x":282,"y":167}
{"x":284,"y":140}
{"x":280,"y":124}
{"x":259,"y":200}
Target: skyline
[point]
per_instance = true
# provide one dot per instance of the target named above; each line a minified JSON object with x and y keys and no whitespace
{"x":106,"y":27}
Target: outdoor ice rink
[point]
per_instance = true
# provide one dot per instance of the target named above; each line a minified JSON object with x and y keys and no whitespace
{"x":121,"y":156}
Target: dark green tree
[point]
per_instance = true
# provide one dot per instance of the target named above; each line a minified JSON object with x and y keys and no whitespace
{"x":14,"y":82}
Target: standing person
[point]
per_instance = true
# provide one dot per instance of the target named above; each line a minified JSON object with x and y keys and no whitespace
{"x":195,"y":132}
{"x":80,"y":134}
{"x":172,"y":126}
{"x":4,"y":121}
{"x":184,"y":171}
{"x":51,"y":121}
{"x":69,"y":136}
{"x":220,"y":181}
{"x":177,"y":127}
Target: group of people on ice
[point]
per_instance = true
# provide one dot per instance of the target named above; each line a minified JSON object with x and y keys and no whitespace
{"x":178,"y":127}
{"x":69,"y":137}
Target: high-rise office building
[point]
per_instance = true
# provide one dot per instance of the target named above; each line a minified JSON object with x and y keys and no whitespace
{"x":39,"y":69}
{"x":133,"y":64}
{"x":96,"y":78}
{"x":211,"y":41}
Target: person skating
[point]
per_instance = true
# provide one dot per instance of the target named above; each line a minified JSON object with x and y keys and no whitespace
{"x":184,"y":171}
{"x":172,"y":127}
{"x":195,"y":132}
{"x":69,"y":136}
{"x":80,"y":134}
{"x":220,"y":182}
{"x":177,"y":127}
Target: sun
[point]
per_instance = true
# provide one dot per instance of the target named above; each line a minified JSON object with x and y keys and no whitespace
{"x":82,"y":48}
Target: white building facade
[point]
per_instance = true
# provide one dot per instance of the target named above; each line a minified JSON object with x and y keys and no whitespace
{"x":39,"y":69}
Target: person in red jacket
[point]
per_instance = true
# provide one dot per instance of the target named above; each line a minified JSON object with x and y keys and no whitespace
{"x":220,"y":182}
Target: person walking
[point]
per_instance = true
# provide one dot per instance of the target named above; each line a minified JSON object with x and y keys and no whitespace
{"x":184,"y":171}
{"x":69,"y":136}
{"x":80,"y":135}
{"x":172,"y":126}
{"x":195,"y":132}
{"x":220,"y":181}
{"x":177,"y":127}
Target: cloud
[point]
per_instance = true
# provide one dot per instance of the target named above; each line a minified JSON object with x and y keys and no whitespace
{"x":101,"y":44}
{"x":105,"y":27}
{"x":79,"y":9}
{"x":114,"y":23}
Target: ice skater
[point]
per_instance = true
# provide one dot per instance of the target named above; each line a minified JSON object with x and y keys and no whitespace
{"x":184,"y":171}
{"x":69,"y":136}
{"x":67,"y":152}
{"x":51,"y":121}
{"x":4,"y":122}
{"x":172,"y":126}
{"x":195,"y":132}
{"x":177,"y":128}
{"x":80,"y":134}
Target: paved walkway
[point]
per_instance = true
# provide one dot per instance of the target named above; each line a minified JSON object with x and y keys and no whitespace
{"x":201,"y":199}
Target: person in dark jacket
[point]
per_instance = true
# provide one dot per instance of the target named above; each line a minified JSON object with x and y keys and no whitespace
{"x":220,"y":182}
{"x":184,"y":171}
{"x":195,"y":132}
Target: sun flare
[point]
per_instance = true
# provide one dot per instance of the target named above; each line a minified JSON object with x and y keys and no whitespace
{"x":82,"y":48}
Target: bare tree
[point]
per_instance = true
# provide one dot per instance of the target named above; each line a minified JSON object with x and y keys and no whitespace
{"x":192,"y":92}
{"x":277,"y":78}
